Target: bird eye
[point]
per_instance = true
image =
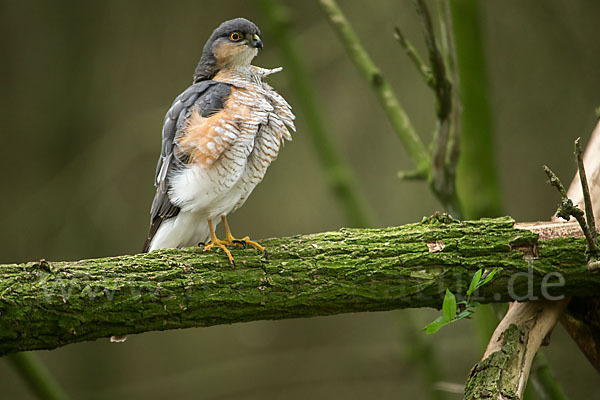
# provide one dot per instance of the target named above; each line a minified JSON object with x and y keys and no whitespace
{"x":236,"y":37}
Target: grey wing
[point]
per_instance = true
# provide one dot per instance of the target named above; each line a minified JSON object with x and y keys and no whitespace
{"x":208,"y":97}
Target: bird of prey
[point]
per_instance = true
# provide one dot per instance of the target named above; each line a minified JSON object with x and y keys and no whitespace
{"x":218,"y":139}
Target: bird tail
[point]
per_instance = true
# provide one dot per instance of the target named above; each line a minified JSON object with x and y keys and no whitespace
{"x":156,"y":223}
{"x":184,"y":230}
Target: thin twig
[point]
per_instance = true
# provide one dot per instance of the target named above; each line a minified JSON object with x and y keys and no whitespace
{"x":412,"y":175}
{"x":567,"y":209}
{"x":444,"y":140}
{"x":443,"y":20}
{"x":443,"y":88}
{"x":582,"y":315}
{"x":414,"y":56}
{"x":587,"y":200}
{"x":337,"y":171}
{"x":554,"y":181}
{"x":449,"y":54}
{"x":390,"y":103}
{"x":448,"y":46}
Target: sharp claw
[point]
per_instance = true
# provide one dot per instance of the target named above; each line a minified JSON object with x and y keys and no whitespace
{"x":240,"y":242}
{"x":222,"y":244}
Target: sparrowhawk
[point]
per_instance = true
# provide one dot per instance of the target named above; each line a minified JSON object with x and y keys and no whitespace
{"x":218,"y":139}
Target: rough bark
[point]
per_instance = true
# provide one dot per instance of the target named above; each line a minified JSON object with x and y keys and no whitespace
{"x":45,"y":305}
{"x":504,"y":369}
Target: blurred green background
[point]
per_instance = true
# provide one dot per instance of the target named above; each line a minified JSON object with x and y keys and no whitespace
{"x":84,"y":89}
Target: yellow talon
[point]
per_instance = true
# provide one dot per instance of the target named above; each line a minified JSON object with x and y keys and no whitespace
{"x":240,"y":242}
{"x":246,"y":241}
{"x":221,"y":244}
{"x":229,"y":241}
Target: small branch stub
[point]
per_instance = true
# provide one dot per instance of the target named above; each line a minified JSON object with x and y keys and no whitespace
{"x":567,"y":209}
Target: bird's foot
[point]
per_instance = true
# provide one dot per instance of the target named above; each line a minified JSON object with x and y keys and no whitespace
{"x":245,"y":242}
{"x":220,"y":244}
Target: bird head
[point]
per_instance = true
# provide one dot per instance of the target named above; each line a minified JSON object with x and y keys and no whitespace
{"x":234,"y":42}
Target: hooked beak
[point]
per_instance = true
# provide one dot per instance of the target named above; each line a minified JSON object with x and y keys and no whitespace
{"x":256,"y":42}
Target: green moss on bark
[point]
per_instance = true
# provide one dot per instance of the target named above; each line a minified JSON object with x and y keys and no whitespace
{"x":496,"y":377}
{"x":47,"y":305}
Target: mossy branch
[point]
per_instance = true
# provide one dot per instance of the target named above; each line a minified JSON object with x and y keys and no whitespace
{"x":505,"y":367}
{"x":45,"y":305}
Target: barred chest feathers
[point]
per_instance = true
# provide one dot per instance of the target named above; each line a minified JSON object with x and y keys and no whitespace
{"x":231,"y":151}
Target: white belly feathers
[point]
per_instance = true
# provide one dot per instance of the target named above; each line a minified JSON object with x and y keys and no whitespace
{"x":251,"y":141}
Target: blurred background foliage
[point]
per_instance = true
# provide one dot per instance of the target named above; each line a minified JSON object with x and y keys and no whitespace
{"x":84,"y":89}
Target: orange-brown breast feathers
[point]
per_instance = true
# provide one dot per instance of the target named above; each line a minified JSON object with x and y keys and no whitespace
{"x":205,"y":139}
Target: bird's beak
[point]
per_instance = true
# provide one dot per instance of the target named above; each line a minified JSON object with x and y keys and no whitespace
{"x":256,"y":42}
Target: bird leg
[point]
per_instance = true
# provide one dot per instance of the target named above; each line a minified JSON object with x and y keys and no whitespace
{"x":240,"y":242}
{"x":216,"y":242}
{"x":229,"y":241}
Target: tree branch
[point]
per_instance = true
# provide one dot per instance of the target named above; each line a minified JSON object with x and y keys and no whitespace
{"x":582,"y":318}
{"x":587,"y":201}
{"x":390,"y":103}
{"x":414,"y":56}
{"x":582,"y":322}
{"x":339,"y":175}
{"x":503,"y":371}
{"x":566,"y":209}
{"x":46,"y":305}
{"x":447,"y":134}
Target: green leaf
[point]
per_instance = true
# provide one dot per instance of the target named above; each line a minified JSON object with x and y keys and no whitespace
{"x":435,"y":326}
{"x":474,"y":282}
{"x":449,"y":306}
{"x":487,"y":278}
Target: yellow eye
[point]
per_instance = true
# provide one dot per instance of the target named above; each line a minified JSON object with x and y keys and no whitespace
{"x":236,"y":37}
